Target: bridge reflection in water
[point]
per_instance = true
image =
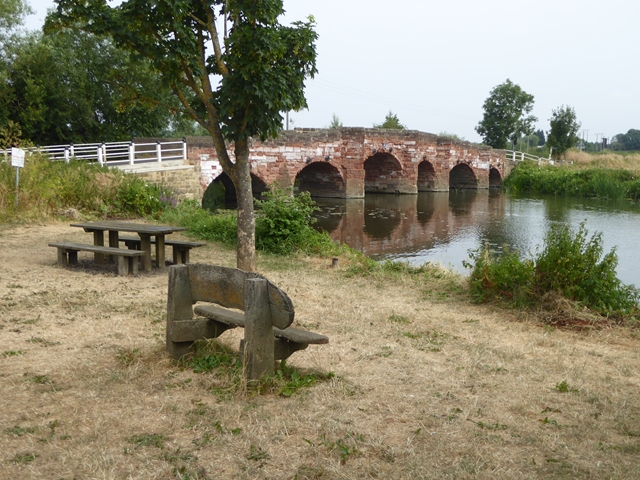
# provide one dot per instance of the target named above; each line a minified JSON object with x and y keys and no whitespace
{"x":411,"y":227}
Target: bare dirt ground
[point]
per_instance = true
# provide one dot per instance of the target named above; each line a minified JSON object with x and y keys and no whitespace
{"x":425,"y":386}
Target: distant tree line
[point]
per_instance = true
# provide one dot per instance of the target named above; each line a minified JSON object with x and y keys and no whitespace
{"x":626,"y":141}
{"x":70,"y":86}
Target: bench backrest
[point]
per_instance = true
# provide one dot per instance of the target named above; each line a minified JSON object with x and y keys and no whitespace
{"x":224,"y":286}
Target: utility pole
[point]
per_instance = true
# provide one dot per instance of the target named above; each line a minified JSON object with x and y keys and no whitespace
{"x":598,"y":134}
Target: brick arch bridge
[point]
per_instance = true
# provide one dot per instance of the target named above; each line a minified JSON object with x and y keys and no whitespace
{"x":349,"y":162}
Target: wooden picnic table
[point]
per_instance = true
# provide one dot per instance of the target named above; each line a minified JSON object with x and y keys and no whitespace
{"x":145,"y":231}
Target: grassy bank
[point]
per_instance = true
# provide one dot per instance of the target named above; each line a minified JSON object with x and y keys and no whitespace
{"x":48,"y":189}
{"x":577,"y":180}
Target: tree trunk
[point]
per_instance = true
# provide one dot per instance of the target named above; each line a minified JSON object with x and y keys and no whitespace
{"x":246,"y":254}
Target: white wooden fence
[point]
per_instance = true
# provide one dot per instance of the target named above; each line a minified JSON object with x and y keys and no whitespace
{"x":517,"y":156}
{"x":114,"y":153}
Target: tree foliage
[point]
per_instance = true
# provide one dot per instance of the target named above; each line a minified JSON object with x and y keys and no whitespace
{"x":506,"y":115}
{"x":541,"y":138}
{"x":390,"y":121}
{"x":335,"y":122}
{"x":72,"y":86}
{"x":234,"y":85}
{"x":12,"y":13}
{"x":564,"y":130}
{"x":627,"y":141}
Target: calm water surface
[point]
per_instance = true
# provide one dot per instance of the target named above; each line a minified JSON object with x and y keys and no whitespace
{"x":443,"y":226}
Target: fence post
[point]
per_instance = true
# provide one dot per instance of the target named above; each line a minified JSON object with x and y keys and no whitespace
{"x":100,"y":160}
{"x":159,"y":151}
{"x":522,"y":156}
{"x":184,"y":148}
{"x":513,"y":155}
{"x":66,"y":154}
{"x":72,"y":151}
{"x":132,"y":152}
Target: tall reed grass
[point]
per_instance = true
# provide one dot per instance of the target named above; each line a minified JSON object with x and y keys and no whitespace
{"x":47,"y":187}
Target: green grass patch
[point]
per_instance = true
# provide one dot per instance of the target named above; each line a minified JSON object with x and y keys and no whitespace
{"x":213,"y":358}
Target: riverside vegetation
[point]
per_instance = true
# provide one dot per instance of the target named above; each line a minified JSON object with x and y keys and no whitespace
{"x":569,"y":266}
{"x":417,"y":382}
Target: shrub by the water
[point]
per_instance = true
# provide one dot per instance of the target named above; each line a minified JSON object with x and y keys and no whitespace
{"x":284,"y":224}
{"x":570,"y":264}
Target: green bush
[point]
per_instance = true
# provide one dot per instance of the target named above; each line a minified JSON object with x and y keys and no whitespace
{"x":570,"y":264}
{"x":284,"y":225}
{"x":505,"y":278}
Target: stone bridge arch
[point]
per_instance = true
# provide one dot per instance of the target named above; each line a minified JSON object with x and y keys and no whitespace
{"x":258,"y":186}
{"x":462,"y":176}
{"x":495,"y":178}
{"x":321,"y":179}
{"x":426,"y":177}
{"x":382,"y":174}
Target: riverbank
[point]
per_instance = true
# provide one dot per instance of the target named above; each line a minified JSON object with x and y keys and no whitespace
{"x":426,"y":384}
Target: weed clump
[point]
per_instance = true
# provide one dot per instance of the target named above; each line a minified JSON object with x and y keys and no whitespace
{"x":570,"y":265}
{"x":225,"y":367}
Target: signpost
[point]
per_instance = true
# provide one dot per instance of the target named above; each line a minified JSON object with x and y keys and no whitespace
{"x":17,"y":160}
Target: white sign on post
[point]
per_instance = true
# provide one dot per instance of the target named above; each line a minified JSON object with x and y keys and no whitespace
{"x":17,"y":157}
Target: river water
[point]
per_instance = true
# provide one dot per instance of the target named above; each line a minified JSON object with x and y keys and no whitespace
{"x":441,"y":227}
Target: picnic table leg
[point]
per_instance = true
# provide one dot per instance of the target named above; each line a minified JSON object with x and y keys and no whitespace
{"x":258,"y":331}
{"x":160,"y":254}
{"x":98,"y":239}
{"x":145,"y":245}
{"x":113,"y":240}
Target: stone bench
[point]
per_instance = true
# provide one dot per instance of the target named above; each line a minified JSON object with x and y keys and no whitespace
{"x":127,"y":258}
{"x":266,"y":318}
{"x":181,"y":248}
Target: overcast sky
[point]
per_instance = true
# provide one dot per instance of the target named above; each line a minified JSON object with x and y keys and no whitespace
{"x":434,"y":63}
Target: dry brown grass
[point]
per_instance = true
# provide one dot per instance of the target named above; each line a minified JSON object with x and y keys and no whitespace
{"x":426,"y":384}
{"x":604,"y":160}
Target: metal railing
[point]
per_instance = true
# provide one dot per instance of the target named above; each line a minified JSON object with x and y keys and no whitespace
{"x":114,"y":153}
{"x":517,"y":156}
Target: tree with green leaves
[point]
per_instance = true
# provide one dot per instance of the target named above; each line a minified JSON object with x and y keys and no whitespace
{"x":235,"y":85}
{"x":564,"y":130}
{"x":506,"y":115}
{"x":627,"y":141}
{"x":541,"y":138}
{"x":72,"y":86}
{"x":390,"y":121}
{"x":335,"y":122}
{"x":12,"y":13}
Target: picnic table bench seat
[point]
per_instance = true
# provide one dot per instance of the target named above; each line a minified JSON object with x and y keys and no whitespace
{"x":266,"y":315}
{"x":127,"y":258}
{"x":181,"y":248}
